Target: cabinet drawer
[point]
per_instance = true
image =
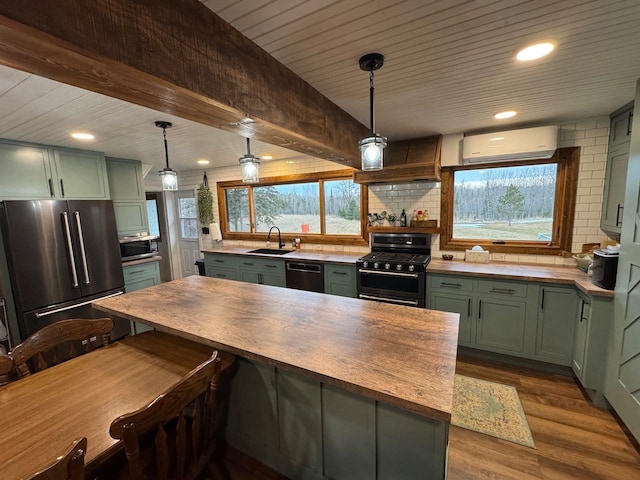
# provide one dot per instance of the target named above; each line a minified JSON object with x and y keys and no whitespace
{"x":135,"y":272}
{"x":221,"y":272}
{"x":340,"y":273}
{"x":451,"y":283}
{"x":267,"y":265}
{"x":506,"y":289}
{"x":220,"y":260}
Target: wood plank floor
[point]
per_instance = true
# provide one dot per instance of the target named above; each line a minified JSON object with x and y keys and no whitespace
{"x":574,"y":439}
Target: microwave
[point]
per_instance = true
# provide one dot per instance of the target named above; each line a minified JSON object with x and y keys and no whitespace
{"x":138,"y":247}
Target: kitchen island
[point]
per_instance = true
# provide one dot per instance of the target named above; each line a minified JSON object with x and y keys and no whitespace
{"x":326,"y":387}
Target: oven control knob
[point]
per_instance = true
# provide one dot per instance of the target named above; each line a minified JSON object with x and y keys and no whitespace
{"x":399,"y":267}
{"x":387,"y":266}
{"x":365,"y":264}
{"x":412,"y":268}
{"x":375,"y":265}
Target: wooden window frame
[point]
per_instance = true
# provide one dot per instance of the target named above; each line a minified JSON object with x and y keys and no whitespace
{"x":568,"y":161}
{"x":320,"y":238}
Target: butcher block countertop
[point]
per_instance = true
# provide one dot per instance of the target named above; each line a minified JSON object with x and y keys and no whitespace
{"x":509,"y":271}
{"x":295,"y":255}
{"x":519,"y":271}
{"x":402,"y":356}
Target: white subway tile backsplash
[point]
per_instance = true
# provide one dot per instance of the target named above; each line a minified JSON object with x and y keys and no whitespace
{"x":589,"y":134}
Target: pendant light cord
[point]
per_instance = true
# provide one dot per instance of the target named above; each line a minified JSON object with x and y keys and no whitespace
{"x":371,"y":102}
{"x":248,"y":146}
{"x":166,"y":149}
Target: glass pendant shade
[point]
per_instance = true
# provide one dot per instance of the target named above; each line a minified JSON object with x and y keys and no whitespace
{"x":372,"y":152}
{"x":168,"y":176}
{"x":250,"y":167}
{"x":169,"y":179}
{"x":372,"y":146}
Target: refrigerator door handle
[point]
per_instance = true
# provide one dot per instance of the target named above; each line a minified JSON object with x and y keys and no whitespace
{"x":72,"y":257}
{"x":75,"y":305}
{"x":83,"y":252}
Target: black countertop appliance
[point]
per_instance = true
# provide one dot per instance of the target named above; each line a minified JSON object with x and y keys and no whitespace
{"x":605,"y":268}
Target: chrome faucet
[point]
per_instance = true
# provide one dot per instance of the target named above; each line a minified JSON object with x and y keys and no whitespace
{"x":280,"y":242}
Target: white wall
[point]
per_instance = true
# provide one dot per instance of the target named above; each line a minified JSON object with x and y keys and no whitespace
{"x":591,"y":135}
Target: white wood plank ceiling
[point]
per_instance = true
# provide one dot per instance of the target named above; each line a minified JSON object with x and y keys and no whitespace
{"x":449,"y":66}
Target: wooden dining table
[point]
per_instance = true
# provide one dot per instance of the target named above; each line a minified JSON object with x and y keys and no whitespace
{"x":42,"y":414}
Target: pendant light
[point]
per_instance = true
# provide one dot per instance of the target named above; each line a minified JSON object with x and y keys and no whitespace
{"x":168,"y":175}
{"x":249,"y":165}
{"x":372,"y":146}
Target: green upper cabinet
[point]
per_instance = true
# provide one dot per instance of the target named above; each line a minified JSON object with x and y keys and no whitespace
{"x":125,"y":179}
{"x":127,"y":193}
{"x":26,"y":171}
{"x":31,"y":171}
{"x":616,"y":172}
{"x":621,"y":125}
{"x":81,"y":174}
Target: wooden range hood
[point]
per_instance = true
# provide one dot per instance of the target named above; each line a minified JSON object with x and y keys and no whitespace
{"x":407,"y":161}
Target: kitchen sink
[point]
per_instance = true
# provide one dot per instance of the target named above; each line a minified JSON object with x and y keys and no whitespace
{"x":271,"y":251}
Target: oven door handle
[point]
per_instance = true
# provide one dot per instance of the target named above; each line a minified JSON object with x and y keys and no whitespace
{"x":391,"y":274}
{"x":386,"y":299}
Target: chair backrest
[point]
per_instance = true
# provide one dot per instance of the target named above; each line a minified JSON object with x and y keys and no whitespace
{"x":6,"y":365}
{"x":52,"y":338}
{"x":69,"y":466}
{"x":182,"y":419}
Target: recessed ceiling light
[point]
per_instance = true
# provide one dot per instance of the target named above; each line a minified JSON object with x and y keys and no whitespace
{"x":203,"y":161}
{"x":496,"y":139}
{"x":266,"y":157}
{"x":290,"y":162}
{"x":82,"y":136}
{"x":507,"y":114}
{"x":533,"y":52}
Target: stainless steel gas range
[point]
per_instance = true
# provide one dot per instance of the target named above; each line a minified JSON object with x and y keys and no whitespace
{"x":395,"y":270}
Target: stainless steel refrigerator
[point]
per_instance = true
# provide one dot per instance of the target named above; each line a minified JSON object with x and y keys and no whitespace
{"x":61,"y":255}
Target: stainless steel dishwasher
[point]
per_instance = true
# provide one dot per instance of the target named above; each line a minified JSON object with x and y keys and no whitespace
{"x":305,"y":276}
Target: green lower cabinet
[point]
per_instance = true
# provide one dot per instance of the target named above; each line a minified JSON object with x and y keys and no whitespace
{"x":349,"y":432}
{"x":409,"y":447}
{"x":592,"y":331}
{"x":580,"y":338}
{"x":264,"y":271}
{"x":461,"y":304}
{"x":252,"y":418}
{"x":556,"y":324}
{"x":249,"y":276}
{"x":307,"y":430}
{"x":299,"y":425}
{"x":137,"y":277}
{"x":501,"y":324}
{"x":220,"y":266}
{"x":340,"y":280}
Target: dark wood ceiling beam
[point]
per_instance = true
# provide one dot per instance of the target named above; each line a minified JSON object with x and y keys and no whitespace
{"x":179,"y":58}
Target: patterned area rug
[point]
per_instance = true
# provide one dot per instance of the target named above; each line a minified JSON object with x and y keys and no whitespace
{"x":490,"y":408}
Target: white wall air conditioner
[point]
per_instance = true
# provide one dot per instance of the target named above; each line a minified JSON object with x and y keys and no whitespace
{"x":522,"y":144}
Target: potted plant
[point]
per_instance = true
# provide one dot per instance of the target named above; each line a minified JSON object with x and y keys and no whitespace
{"x":205,"y":205}
{"x":392,"y":219}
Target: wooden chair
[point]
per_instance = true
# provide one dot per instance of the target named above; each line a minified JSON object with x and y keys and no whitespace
{"x":6,"y":365}
{"x":182,"y":419}
{"x":69,"y":466}
{"x":46,"y":345}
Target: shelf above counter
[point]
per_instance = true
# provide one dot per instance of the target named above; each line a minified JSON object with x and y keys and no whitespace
{"x":431,"y":230}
